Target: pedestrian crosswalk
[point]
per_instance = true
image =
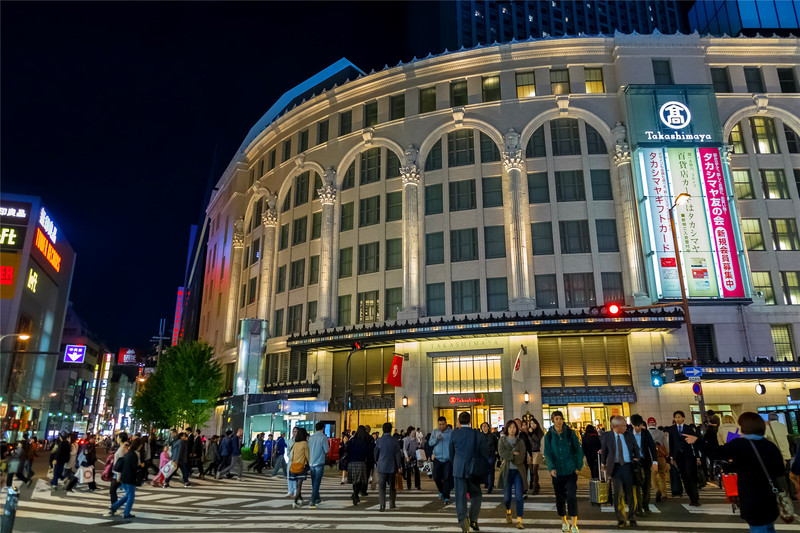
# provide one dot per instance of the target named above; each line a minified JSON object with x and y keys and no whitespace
{"x":260,"y":503}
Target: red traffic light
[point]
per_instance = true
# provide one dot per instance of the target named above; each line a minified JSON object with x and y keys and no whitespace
{"x":614,"y":309}
{"x":358,"y":346}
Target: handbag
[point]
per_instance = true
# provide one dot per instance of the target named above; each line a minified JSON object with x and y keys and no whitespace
{"x":298,"y":468}
{"x":86,"y":474}
{"x":784,"y":501}
{"x":168,"y":469}
{"x":537,"y":458}
{"x":478,"y":467}
{"x":398,"y":482}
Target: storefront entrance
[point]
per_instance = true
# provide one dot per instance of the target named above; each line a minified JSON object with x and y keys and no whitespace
{"x":581,"y":415}
{"x":493,"y":415}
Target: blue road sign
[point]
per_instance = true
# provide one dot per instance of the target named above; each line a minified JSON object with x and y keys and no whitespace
{"x":693,"y":372}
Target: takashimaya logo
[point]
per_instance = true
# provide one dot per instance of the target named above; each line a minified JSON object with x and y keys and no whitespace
{"x":675,"y":115}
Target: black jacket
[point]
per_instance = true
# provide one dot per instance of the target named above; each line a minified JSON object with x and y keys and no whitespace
{"x":755,"y":497}
{"x":197,"y":448}
{"x":591,"y":445}
{"x":130,"y":463}
{"x":63,"y":451}
{"x":678,"y":445}
{"x":648,"y":447}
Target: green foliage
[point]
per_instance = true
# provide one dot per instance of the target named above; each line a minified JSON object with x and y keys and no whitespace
{"x":185,"y":372}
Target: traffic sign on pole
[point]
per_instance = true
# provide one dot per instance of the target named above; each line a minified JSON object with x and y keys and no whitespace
{"x":693,"y":372}
{"x":697,"y":388}
{"x":199,"y":401}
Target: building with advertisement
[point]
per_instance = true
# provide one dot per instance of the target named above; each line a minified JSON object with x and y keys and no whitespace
{"x":36,"y":266}
{"x":470,"y":208}
{"x":74,"y":401}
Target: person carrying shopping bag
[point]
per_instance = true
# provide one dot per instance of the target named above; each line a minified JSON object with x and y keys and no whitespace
{"x":513,"y":453}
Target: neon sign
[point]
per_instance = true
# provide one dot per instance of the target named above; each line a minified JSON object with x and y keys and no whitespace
{"x":74,"y":353}
{"x":12,"y":238}
{"x":47,"y":249}
{"x":48,"y":225}
{"x":33,"y":281}
{"x":6,"y":275}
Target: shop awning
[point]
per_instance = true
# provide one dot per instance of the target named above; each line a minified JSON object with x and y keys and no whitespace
{"x":487,"y":326}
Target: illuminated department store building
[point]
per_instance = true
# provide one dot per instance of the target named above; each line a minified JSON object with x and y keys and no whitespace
{"x":457,"y":208}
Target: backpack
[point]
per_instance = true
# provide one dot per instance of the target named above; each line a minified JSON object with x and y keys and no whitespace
{"x":106,"y":475}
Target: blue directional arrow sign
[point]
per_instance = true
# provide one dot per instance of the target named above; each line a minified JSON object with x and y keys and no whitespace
{"x":693,"y":371}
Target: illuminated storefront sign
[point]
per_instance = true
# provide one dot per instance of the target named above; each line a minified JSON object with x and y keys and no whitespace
{"x":48,"y":225}
{"x":12,"y":238}
{"x":677,"y":141}
{"x":129,"y":356}
{"x":74,"y":353}
{"x":47,"y":249}
{"x":33,"y":280}
{"x":176,"y":324}
{"x":466,"y":399}
{"x":15,"y":212}
{"x":9,"y":267}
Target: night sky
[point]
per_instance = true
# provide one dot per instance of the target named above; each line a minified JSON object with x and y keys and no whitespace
{"x":112,"y":113}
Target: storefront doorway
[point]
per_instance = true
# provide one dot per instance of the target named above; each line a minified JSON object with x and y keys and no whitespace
{"x":581,"y":415}
{"x":493,"y":415}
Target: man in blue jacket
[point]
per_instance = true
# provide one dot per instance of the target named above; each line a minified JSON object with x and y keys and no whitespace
{"x":466,"y":444}
{"x":235,"y":466}
{"x":279,"y":460}
{"x":225,"y":452}
{"x":442,"y":465}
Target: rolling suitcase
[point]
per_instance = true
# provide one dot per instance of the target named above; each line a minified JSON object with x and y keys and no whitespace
{"x":599,"y":493}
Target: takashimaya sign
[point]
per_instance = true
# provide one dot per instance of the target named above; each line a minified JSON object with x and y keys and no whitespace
{"x":708,"y":245}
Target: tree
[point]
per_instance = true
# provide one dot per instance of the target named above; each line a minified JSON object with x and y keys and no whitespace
{"x":185,"y":372}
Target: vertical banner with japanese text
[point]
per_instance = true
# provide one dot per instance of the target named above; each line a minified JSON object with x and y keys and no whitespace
{"x":654,"y":174}
{"x":691,"y":224}
{"x":723,"y":240}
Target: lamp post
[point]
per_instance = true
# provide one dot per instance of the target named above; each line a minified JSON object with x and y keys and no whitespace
{"x":680,"y":200}
{"x":22,"y":336}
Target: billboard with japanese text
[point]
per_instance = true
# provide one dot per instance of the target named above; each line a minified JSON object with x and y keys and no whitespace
{"x":680,"y":155}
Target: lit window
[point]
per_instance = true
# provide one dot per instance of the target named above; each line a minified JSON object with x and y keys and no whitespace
{"x":368,"y":306}
{"x":559,"y":81}
{"x":765,"y":136}
{"x":526,"y":85}
{"x":784,"y":234}
{"x":791,"y":287}
{"x":774,"y":183}
{"x":491,"y":88}
{"x":783,"y":341}
{"x":736,"y":139}
{"x":762,"y":282}
{"x":594,"y":80}
{"x":751,"y":230}
{"x":743,"y":185}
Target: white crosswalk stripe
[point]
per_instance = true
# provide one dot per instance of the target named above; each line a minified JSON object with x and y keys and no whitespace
{"x":260,"y":503}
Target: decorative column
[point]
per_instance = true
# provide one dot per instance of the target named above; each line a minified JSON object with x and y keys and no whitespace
{"x":411,"y":238}
{"x":237,"y":245}
{"x":327,"y":196}
{"x":628,"y":204}
{"x":270,"y":222}
{"x":517,"y":218}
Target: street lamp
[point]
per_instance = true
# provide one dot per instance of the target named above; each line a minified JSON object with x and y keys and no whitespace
{"x":681,"y":199}
{"x":20,"y":336}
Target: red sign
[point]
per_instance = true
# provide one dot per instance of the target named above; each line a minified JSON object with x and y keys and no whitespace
{"x":6,"y":275}
{"x":129,"y":356}
{"x":719,"y":214}
{"x":48,"y":250}
{"x":466,"y":399}
{"x":696,"y":388}
{"x":176,"y":324}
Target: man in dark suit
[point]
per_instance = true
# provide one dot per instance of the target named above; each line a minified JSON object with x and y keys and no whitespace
{"x":388,"y":463}
{"x":466,"y":444}
{"x":647,"y":448}
{"x":618,"y":453}
{"x":684,"y":455}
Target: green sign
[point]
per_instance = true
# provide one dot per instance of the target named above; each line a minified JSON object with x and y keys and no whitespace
{"x":199,"y":401}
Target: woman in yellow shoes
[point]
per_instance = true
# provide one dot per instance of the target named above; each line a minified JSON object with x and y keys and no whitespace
{"x":513,"y":453}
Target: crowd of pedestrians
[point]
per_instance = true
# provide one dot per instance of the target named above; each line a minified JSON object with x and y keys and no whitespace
{"x":639,"y":458}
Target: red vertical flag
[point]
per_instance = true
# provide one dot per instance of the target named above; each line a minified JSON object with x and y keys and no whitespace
{"x":395,"y":376}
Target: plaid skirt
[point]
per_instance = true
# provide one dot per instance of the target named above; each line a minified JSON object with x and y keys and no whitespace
{"x":357,"y":472}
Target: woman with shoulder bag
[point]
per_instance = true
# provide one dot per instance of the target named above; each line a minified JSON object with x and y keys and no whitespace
{"x":513,"y":454}
{"x":298,"y":468}
{"x":759,"y":465}
{"x":410,"y":446}
{"x":535,"y":436}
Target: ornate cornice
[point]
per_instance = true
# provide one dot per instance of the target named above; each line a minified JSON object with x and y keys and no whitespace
{"x":238,"y":239}
{"x":622,"y":154}
{"x":513,"y":160}
{"x":410,"y":175}
{"x":270,"y":218}
{"x":327,"y":194}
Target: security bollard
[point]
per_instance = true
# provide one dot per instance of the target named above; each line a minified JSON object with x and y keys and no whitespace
{"x":10,"y":511}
